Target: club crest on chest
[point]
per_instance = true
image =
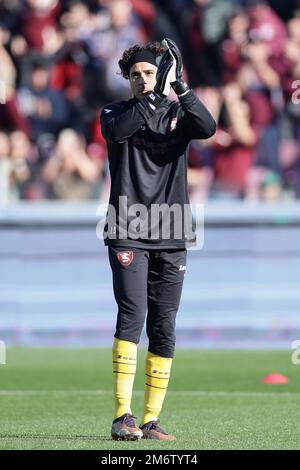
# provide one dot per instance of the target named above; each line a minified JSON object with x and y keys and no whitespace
{"x":173,"y":124}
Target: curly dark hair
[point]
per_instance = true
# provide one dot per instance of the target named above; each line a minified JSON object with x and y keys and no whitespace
{"x":154,"y":47}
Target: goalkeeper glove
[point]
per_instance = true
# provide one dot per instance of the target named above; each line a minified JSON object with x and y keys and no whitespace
{"x":178,"y":85}
{"x":164,"y":75}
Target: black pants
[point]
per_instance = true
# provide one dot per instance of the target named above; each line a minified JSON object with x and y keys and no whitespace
{"x":148,"y":280}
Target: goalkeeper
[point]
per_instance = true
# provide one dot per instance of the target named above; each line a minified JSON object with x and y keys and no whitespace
{"x":147,"y":138}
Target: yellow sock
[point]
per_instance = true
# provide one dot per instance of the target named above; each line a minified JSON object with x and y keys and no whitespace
{"x":157,"y":378}
{"x":124,"y":366}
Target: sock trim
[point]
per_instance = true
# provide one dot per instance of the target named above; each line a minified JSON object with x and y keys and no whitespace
{"x":126,"y":363}
{"x":153,"y":386}
{"x":160,"y":378}
{"x":126,"y":373}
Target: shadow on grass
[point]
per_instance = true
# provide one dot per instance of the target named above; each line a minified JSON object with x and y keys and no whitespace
{"x":54,"y":436}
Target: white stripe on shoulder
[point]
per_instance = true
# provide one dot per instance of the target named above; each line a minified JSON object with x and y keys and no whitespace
{"x":106,"y":110}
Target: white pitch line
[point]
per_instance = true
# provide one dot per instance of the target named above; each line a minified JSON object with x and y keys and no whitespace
{"x":200,"y":393}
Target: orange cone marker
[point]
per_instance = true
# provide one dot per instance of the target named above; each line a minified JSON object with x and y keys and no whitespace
{"x":275,"y":378}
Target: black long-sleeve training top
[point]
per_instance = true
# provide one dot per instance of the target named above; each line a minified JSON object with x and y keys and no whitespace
{"x":147,"y":152}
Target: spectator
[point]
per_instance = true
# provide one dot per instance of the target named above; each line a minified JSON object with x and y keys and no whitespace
{"x":234,"y":44}
{"x":38,"y":19}
{"x":289,"y":153}
{"x":117,"y":29}
{"x":10,"y":116}
{"x":6,"y":192}
{"x":201,"y":153}
{"x":205,"y":30}
{"x":267,"y":27}
{"x":222,"y":165}
{"x":234,"y":147}
{"x":67,"y":73}
{"x":45,"y":108}
{"x":262,"y":90}
{"x":24,"y":156}
{"x":70,"y":173}
{"x":14,"y":169}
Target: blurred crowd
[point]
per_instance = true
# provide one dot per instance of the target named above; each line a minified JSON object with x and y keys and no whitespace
{"x":59,"y":67}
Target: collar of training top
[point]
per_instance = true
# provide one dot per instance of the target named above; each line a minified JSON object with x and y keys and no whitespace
{"x":142,"y":56}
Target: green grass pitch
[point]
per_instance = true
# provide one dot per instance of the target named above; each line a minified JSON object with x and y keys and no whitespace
{"x":62,"y":399}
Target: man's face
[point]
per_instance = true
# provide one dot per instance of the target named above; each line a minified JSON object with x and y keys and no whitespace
{"x":39,"y":79}
{"x":142,"y":78}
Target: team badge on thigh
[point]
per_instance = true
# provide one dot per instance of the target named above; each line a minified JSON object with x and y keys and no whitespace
{"x":125,"y":257}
